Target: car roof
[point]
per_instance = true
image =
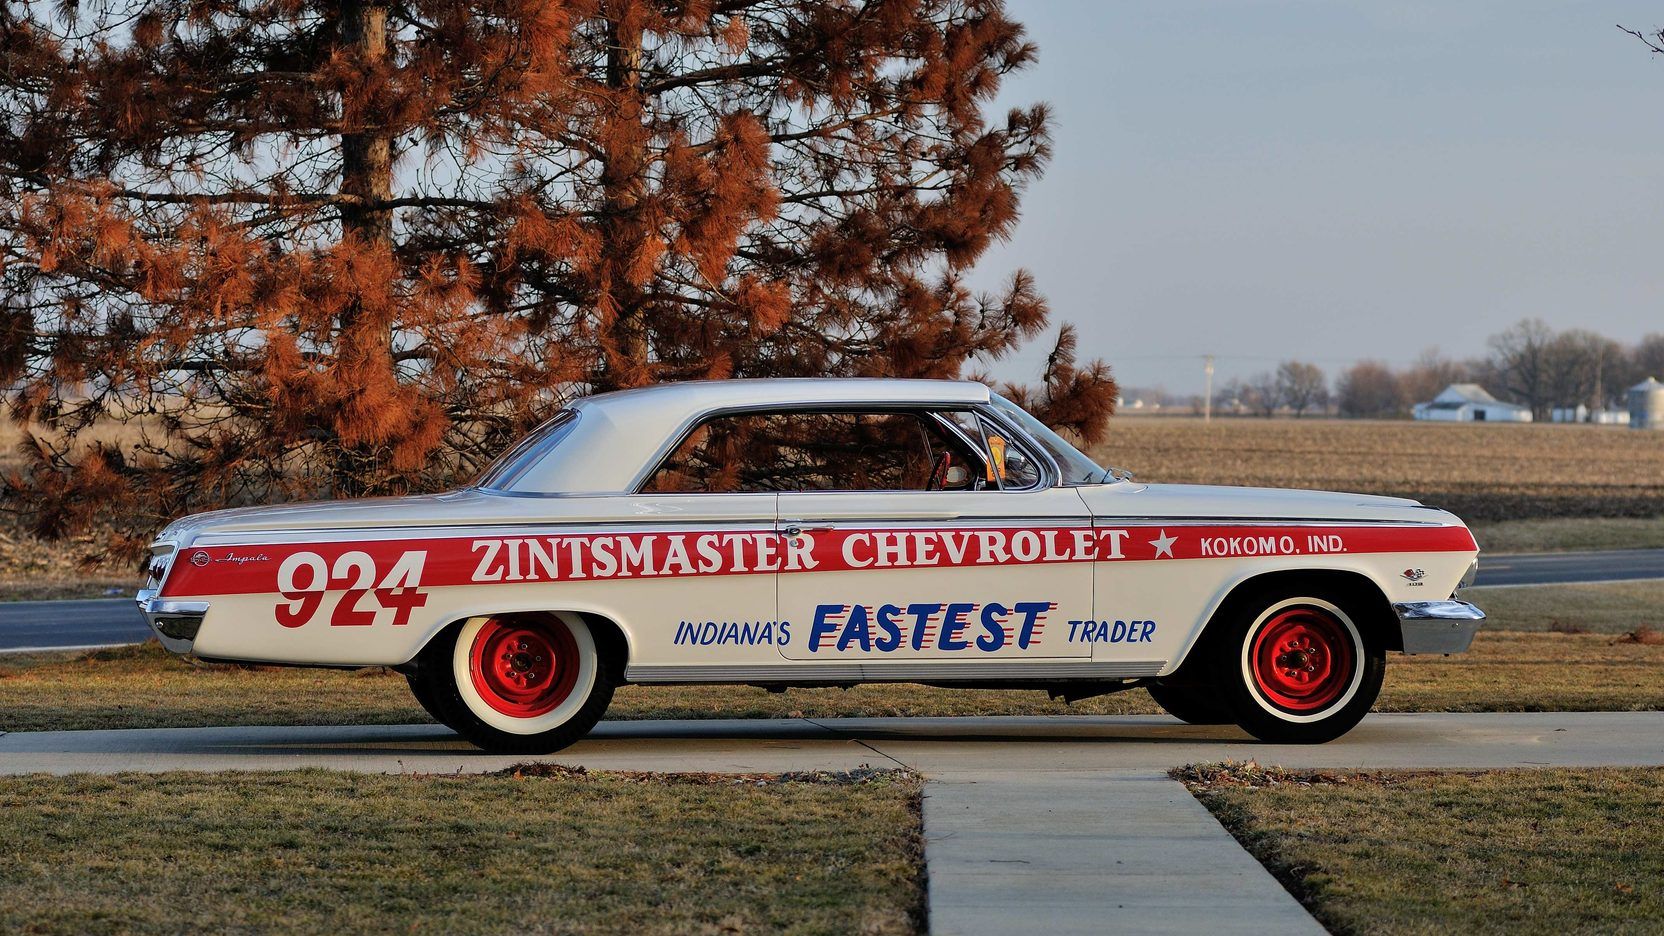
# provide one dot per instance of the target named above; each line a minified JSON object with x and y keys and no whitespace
{"x":620,"y":435}
{"x":705,"y":395}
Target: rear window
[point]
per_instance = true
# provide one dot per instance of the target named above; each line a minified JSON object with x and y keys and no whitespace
{"x":502,"y":474}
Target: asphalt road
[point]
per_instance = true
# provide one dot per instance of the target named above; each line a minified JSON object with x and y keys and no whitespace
{"x":105,"y":621}
{"x":1570,"y":567}
{"x":30,"y":625}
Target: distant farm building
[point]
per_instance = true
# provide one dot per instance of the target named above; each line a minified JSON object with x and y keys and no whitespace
{"x":1466,"y":402}
{"x":1583,"y":414}
{"x":1646,"y":405}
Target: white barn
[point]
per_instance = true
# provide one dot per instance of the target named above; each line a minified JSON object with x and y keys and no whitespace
{"x":1466,"y":402}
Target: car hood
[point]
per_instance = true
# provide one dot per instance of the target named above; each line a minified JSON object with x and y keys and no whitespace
{"x":1201,"y":501}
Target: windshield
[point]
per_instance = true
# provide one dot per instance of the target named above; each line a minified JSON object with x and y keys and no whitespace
{"x":507,"y":469}
{"x":1076,"y":467}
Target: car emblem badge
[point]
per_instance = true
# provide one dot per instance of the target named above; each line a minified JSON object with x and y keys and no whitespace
{"x":1415,"y":575}
{"x":199,"y":559}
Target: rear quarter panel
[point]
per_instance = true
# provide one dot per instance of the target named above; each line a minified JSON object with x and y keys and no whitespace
{"x":655,"y":565}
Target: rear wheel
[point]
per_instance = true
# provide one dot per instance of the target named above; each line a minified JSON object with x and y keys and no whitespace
{"x":521,"y":683}
{"x":1298,"y":667}
{"x":1195,"y":705}
{"x":425,"y":697}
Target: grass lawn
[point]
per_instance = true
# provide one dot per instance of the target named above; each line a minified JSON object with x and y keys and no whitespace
{"x":143,"y":687}
{"x":1515,"y":851}
{"x":321,"y":851}
{"x":1608,"y":608}
{"x":1568,"y":534}
{"x":66,"y":587}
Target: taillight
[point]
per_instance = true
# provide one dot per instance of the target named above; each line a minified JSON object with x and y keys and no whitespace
{"x":158,"y":569}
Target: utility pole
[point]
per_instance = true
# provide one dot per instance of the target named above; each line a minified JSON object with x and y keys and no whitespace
{"x":1207,"y":395}
{"x":1600,"y":390}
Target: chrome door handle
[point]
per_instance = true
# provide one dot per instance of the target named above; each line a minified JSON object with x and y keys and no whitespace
{"x":798,"y":528}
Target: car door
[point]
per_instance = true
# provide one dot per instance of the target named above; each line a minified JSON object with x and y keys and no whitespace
{"x":898,"y":568}
{"x":708,"y":600}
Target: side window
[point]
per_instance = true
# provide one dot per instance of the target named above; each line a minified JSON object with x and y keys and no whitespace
{"x":1008,"y":466}
{"x":709,"y":460}
{"x":817,"y":451}
{"x":1016,"y":469}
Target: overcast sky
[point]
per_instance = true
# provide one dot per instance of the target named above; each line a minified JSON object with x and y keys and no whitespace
{"x":1262,"y":179}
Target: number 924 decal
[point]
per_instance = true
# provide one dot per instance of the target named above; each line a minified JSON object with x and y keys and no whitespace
{"x":305,"y":577}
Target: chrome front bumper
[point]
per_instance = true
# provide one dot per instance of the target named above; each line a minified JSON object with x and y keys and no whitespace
{"x":1438,"y":626}
{"x":174,"y":622}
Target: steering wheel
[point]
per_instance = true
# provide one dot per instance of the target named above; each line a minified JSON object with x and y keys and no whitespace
{"x":939,"y":474}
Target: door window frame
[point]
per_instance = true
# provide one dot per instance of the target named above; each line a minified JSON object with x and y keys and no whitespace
{"x":1047,"y":470}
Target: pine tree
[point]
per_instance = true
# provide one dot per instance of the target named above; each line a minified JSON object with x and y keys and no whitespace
{"x":346,"y":248}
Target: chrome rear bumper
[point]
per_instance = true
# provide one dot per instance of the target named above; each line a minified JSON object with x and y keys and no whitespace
{"x":174,"y":622}
{"x":1438,"y":626}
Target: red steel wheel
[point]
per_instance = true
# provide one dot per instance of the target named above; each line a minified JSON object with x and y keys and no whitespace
{"x":1303,"y":660}
{"x":524,"y":666}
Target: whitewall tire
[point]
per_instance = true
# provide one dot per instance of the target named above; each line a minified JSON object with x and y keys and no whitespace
{"x":1297,"y":664}
{"x":525,"y":683}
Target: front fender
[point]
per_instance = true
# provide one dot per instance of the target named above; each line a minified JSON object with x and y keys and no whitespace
{"x":1360,"y":575}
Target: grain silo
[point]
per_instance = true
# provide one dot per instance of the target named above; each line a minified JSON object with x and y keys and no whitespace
{"x":1646,"y":405}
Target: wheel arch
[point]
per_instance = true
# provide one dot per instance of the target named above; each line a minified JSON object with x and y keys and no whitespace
{"x":612,"y":641}
{"x":1376,"y":608}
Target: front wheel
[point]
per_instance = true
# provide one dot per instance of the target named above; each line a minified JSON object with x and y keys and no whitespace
{"x":1298,"y":668}
{"x":521,"y":683}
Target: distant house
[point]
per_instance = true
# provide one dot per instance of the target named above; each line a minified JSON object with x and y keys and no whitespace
{"x":1466,"y":402}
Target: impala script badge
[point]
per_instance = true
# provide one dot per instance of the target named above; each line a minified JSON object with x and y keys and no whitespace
{"x":240,"y":560}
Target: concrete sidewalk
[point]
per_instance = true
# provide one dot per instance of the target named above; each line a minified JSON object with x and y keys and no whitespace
{"x":1117,"y":851}
{"x":1057,"y":824}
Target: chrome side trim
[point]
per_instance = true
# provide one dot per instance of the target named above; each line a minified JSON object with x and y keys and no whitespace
{"x":1174,"y":520}
{"x":933,"y":671}
{"x":759,"y":524}
{"x":1438,"y":626}
{"x":253,"y":538}
{"x":675,"y":524}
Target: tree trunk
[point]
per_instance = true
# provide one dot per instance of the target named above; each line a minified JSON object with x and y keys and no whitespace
{"x":623,"y":182}
{"x":367,"y":172}
{"x":367,"y":155}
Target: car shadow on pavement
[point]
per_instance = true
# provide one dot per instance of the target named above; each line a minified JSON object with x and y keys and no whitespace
{"x":1013,"y":728}
{"x":665,"y":734}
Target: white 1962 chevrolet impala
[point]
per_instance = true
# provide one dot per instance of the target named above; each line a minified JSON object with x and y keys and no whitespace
{"x":824,"y":533}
